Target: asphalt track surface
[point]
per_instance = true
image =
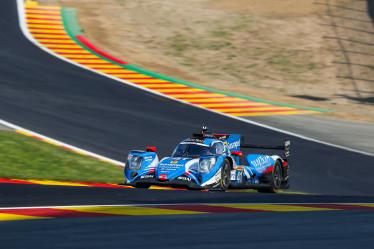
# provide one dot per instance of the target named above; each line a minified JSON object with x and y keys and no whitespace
{"x":49,"y":96}
{"x":333,"y":229}
{"x":254,"y":230}
{"x":12,"y":195}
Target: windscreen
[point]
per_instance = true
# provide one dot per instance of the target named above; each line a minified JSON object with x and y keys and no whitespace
{"x":191,"y":150}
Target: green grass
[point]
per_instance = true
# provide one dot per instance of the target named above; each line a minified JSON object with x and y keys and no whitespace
{"x":221,"y":33}
{"x":26,"y":158}
{"x":178,"y":43}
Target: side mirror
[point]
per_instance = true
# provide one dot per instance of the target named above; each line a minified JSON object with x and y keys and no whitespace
{"x":151,"y":149}
{"x":237,"y":153}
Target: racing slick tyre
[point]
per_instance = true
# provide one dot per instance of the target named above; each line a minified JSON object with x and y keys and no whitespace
{"x":224,"y":182}
{"x":142,"y":185}
{"x":275,"y":180}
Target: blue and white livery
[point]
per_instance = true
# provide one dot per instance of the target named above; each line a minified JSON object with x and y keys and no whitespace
{"x":210,"y":161}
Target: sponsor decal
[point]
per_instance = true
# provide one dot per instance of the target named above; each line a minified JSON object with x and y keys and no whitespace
{"x":146,"y":176}
{"x":262,"y":161}
{"x":184,"y":178}
{"x":148,"y":158}
{"x":194,"y":140}
{"x":163,"y":177}
{"x":168,"y":166}
{"x":233,"y":175}
{"x":222,"y":137}
{"x":233,"y":145}
{"x":236,"y":175}
{"x":174,"y":162}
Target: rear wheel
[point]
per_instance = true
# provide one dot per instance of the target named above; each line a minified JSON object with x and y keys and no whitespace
{"x":275,"y":180}
{"x":225,"y":176}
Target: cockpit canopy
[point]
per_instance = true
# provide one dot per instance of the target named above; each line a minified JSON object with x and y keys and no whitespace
{"x":189,"y":149}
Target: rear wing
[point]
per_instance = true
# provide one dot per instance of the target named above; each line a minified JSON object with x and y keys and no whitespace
{"x":286,"y":147}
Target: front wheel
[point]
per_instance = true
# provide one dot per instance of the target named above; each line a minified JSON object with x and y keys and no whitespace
{"x":225,"y":176}
{"x":276,"y":180}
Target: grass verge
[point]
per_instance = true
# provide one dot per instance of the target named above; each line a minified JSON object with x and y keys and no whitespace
{"x":26,"y":158}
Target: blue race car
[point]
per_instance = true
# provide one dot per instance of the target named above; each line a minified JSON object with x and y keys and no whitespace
{"x":210,"y":161}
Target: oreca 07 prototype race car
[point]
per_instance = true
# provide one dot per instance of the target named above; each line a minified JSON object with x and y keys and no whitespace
{"x":210,"y":161}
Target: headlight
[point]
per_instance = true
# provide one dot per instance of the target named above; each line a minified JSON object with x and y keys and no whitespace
{"x":206,"y":165}
{"x":134,"y":162}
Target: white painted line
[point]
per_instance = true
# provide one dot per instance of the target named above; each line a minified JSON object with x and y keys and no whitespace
{"x":59,"y":143}
{"x":22,"y":23}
